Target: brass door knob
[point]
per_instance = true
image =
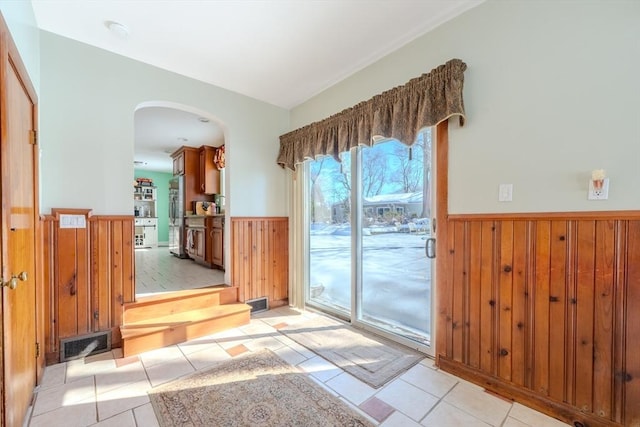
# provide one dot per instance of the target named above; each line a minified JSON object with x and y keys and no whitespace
{"x":13,"y":283}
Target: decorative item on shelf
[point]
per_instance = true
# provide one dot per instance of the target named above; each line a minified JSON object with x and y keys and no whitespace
{"x":144,"y":182}
{"x":219,"y":157}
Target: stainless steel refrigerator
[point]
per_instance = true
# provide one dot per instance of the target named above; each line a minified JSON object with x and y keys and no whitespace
{"x":176,"y":217}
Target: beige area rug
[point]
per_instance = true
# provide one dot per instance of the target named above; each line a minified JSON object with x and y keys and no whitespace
{"x":367,"y":357}
{"x":258,"y":389}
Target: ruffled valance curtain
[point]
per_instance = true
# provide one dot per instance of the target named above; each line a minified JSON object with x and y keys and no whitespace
{"x":398,"y":113}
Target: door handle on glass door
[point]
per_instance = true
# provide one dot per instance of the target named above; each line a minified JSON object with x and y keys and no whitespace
{"x":430,"y":248}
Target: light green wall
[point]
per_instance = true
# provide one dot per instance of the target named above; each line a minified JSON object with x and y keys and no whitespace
{"x":551,"y":93}
{"x":87,"y":127}
{"x":161,"y":181}
{"x":21,"y":21}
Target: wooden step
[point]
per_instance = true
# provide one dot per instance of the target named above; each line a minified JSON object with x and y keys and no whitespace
{"x":175,"y":302}
{"x":176,"y":327}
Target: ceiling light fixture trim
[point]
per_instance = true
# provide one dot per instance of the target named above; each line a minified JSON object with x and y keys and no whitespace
{"x":118,"y":29}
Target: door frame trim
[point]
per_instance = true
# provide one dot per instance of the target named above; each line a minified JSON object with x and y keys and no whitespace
{"x":441,"y":292}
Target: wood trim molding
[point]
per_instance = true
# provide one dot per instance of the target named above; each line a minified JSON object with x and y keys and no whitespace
{"x":625,"y":214}
{"x":442,"y":288}
{"x":533,"y":400}
{"x":56,"y":212}
{"x":260,"y":218}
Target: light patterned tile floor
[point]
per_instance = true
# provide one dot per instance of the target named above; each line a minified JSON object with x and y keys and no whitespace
{"x":158,"y":271}
{"x":115,"y":393}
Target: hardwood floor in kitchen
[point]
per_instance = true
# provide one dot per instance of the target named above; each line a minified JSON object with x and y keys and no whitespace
{"x":158,"y":271}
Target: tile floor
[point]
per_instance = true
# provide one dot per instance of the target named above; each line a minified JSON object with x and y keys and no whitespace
{"x":108,"y":390}
{"x":158,"y":271}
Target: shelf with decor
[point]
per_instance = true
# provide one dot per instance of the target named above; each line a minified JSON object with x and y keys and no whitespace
{"x":144,"y":210}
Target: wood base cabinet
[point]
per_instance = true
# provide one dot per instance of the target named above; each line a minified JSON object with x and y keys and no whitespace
{"x":196,"y":237}
{"x":215,"y":246}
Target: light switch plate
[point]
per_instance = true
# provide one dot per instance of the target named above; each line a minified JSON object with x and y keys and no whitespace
{"x":602,"y":194}
{"x":505,"y":194}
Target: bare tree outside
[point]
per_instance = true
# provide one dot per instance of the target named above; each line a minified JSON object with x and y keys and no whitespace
{"x":375,"y":172}
{"x":408,"y":169}
{"x":316,"y":192}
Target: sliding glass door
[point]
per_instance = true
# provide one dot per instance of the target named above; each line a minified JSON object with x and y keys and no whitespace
{"x":329,"y":261}
{"x":369,"y":222}
{"x":395,"y":210}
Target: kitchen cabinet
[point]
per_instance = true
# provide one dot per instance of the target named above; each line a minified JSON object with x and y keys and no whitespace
{"x":146,"y":233}
{"x":196,"y":250}
{"x":209,"y":173}
{"x":196,"y":238}
{"x":189,"y":157}
{"x":215,"y":244}
{"x":178,"y":164}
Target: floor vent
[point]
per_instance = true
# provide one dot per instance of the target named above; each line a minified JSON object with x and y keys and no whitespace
{"x":85,"y":345}
{"x":258,"y":304}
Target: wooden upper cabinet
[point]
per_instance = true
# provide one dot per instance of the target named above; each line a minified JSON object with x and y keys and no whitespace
{"x":178,"y":164}
{"x":185,"y":161}
{"x":209,"y":174}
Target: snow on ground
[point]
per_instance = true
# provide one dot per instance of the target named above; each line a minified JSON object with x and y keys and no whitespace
{"x":396,"y":276}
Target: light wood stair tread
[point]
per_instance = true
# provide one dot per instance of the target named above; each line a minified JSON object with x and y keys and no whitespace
{"x":178,"y":295}
{"x":180,"y":319}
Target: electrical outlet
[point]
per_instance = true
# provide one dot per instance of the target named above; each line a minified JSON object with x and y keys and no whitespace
{"x":600,"y":193}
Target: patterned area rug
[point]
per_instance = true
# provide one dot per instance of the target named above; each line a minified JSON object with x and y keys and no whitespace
{"x":258,"y":389}
{"x":371,"y":359}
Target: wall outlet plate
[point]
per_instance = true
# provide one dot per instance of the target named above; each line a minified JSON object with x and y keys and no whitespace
{"x":599,"y":194}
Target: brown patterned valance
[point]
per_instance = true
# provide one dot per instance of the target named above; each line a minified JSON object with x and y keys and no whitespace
{"x":398,"y":113}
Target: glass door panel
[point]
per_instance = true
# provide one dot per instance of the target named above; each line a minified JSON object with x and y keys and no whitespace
{"x":329,"y":207}
{"x":394,"y":293}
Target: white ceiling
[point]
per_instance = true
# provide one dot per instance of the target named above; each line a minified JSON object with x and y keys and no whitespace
{"x":279,"y":51}
{"x":161,"y":130}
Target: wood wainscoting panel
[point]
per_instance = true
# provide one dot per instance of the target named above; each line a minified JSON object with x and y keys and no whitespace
{"x":67,"y":292}
{"x":260,"y":258}
{"x":627,"y":379}
{"x":112,"y":271}
{"x":88,"y":276}
{"x":544,"y":309}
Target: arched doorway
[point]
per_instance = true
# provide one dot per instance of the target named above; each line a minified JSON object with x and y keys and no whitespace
{"x":162,"y":128}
